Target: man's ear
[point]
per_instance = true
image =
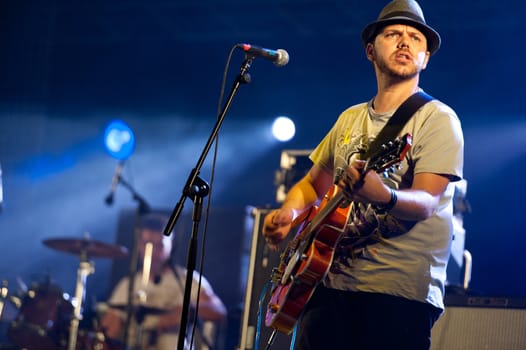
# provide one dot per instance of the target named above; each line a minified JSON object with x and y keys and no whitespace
{"x":426,"y":60}
{"x":369,"y":51}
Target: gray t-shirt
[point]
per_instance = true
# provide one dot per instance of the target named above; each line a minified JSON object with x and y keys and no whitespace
{"x":396,"y":257}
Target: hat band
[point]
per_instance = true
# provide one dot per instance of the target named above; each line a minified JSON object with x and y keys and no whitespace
{"x":409,"y":15}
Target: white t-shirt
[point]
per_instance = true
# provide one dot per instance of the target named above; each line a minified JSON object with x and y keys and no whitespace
{"x":164,"y":295}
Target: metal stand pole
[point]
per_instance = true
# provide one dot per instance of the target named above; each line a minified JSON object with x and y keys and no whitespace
{"x":85,"y":269}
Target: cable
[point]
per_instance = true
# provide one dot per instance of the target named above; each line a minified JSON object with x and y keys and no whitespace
{"x":262,"y":297}
{"x":208,"y":206}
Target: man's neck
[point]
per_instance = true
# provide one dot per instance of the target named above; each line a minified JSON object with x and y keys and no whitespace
{"x":391,"y":95}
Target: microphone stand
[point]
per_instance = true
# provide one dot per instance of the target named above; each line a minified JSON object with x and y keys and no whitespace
{"x":142,"y":208}
{"x":143,"y":205}
{"x":197,"y":189}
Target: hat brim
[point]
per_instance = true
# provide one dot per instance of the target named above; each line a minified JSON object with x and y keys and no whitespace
{"x":432,"y":36}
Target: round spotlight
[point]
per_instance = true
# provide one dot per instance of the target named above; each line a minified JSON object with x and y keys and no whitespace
{"x":119,"y":140}
{"x":283,"y":129}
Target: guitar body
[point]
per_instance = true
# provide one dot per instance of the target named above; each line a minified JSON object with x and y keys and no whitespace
{"x":304,"y":265}
{"x":308,"y":257}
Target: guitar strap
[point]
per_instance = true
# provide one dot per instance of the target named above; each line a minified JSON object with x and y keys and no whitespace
{"x":397,"y":121}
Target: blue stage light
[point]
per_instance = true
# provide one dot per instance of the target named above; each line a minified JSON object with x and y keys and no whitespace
{"x":119,"y":140}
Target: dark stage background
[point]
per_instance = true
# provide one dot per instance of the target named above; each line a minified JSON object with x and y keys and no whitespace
{"x":67,"y":68}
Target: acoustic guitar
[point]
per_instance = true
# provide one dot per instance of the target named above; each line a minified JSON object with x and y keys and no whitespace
{"x":306,"y":260}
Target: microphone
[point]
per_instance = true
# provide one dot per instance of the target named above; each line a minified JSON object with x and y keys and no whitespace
{"x":279,"y":57}
{"x":114,"y":182}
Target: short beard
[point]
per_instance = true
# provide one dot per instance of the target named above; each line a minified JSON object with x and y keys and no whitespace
{"x":384,"y":68}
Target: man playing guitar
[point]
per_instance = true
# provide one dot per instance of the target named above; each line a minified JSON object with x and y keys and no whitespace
{"x":384,"y":286}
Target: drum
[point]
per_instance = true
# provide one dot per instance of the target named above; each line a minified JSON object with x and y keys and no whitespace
{"x":43,"y":319}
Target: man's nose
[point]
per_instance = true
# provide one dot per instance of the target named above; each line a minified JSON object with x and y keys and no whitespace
{"x":404,"y":42}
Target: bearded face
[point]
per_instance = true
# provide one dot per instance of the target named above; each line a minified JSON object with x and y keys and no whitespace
{"x":399,"y":52}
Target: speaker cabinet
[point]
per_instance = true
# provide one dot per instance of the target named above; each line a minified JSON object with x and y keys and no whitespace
{"x":261,"y":261}
{"x":474,"y":323}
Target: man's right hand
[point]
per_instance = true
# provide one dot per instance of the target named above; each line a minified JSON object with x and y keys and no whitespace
{"x":276,"y":226}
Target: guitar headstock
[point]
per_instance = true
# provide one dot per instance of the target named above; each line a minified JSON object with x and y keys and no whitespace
{"x":390,"y":153}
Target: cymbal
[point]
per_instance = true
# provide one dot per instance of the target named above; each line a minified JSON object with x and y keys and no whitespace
{"x":90,"y":247}
{"x":140,"y":309}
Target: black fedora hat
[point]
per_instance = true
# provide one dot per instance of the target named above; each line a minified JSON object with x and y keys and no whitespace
{"x":406,"y":12}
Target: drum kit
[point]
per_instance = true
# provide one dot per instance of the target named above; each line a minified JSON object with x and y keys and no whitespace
{"x":45,"y":318}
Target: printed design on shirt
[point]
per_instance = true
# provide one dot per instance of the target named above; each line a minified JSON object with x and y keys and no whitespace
{"x":365,"y":224}
{"x":349,"y":146}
